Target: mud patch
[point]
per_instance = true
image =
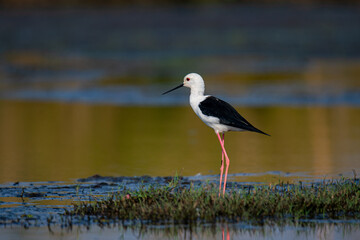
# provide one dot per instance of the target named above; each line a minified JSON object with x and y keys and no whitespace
{"x":30,"y":204}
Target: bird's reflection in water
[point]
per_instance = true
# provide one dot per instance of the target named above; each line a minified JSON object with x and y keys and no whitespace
{"x":223,"y":232}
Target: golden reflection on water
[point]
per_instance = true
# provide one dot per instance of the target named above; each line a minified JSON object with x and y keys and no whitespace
{"x":62,"y":142}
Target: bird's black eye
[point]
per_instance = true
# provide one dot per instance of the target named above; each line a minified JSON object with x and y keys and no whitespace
{"x":187,"y":79}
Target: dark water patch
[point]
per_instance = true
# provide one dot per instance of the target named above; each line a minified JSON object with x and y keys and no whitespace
{"x":293,"y":31}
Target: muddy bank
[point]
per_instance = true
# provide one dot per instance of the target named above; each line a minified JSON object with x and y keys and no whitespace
{"x":31,"y":204}
{"x":41,"y":204}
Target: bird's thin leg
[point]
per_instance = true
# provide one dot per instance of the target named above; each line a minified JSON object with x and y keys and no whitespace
{"x":227,"y":161}
{"x":222,"y":162}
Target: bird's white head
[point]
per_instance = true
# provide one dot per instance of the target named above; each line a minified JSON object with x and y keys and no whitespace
{"x":195,"y":82}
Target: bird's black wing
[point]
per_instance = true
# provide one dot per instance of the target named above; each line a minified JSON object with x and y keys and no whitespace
{"x":218,"y":108}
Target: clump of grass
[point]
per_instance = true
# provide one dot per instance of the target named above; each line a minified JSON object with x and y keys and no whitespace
{"x":177,"y":204}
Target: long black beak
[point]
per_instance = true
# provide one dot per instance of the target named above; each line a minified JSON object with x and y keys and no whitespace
{"x":181,"y":85}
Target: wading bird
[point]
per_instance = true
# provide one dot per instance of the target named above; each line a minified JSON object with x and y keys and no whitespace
{"x":217,"y":114}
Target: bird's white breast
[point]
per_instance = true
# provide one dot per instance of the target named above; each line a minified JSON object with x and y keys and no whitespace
{"x":212,"y":122}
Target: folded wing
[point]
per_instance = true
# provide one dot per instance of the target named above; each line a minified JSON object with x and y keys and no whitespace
{"x":218,"y":108}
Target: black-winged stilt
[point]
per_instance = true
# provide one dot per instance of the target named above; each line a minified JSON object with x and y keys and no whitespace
{"x":215,"y":113}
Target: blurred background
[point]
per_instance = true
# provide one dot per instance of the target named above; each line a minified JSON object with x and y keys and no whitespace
{"x":81,"y":84}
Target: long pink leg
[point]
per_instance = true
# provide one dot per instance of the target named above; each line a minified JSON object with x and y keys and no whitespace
{"x":222,"y":163}
{"x":227,"y":161}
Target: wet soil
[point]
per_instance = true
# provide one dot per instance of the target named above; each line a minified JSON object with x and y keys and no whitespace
{"x":37,"y":204}
{"x":41,"y":204}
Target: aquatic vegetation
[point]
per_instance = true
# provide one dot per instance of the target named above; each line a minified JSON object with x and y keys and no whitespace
{"x":177,"y":203}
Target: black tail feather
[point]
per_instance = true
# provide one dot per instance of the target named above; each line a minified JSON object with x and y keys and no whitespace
{"x":259,"y":131}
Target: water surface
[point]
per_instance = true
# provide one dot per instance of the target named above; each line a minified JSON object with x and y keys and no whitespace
{"x":329,"y":230}
{"x":63,"y":142}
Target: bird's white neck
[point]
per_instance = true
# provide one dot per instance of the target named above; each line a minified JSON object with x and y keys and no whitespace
{"x":197,"y":91}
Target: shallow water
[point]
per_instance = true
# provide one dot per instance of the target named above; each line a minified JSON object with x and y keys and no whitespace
{"x":330,"y":230}
{"x":62,"y":142}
